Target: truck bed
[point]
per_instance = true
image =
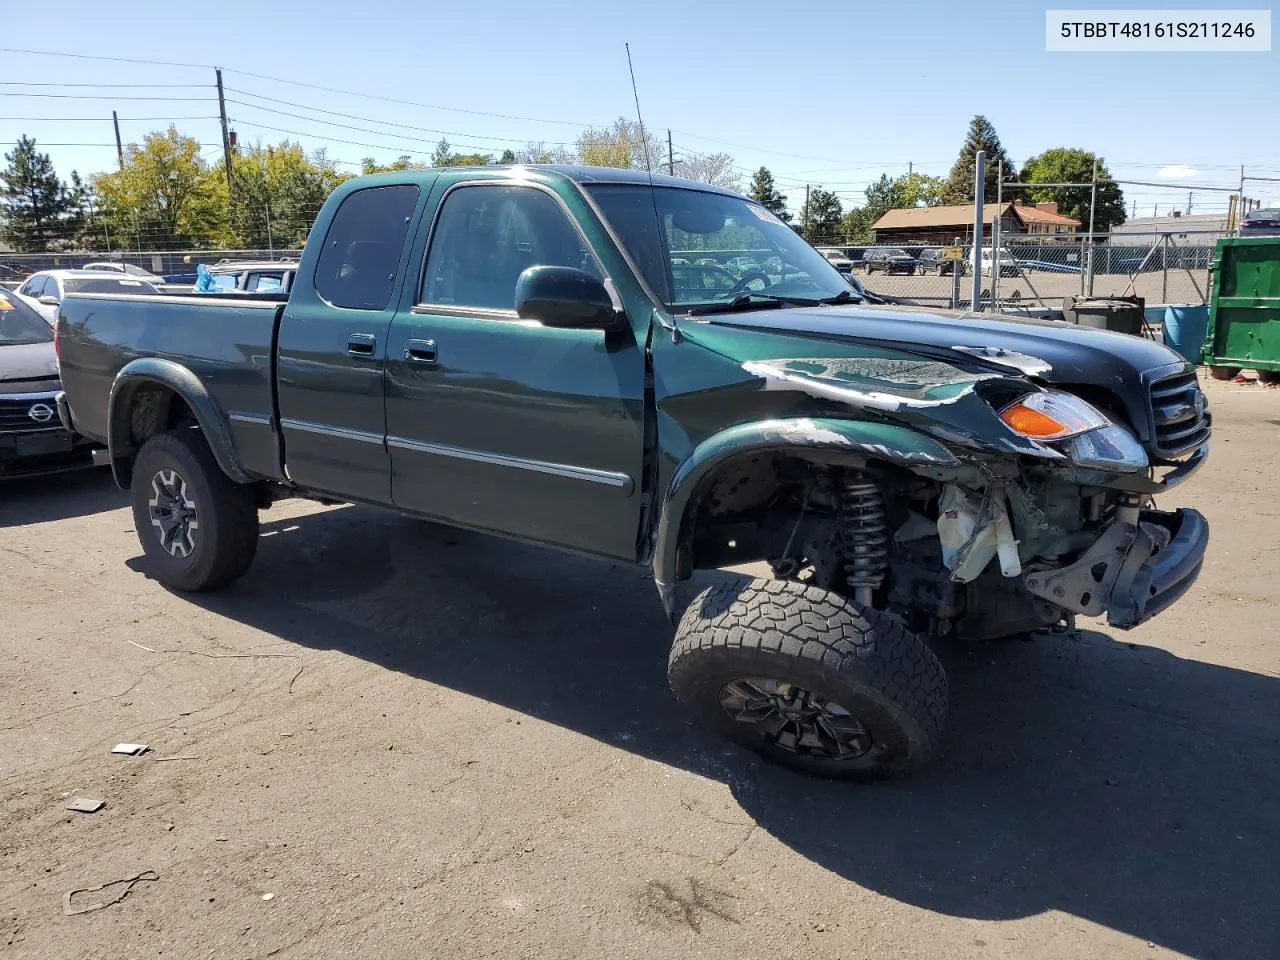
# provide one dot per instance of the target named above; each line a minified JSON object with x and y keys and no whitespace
{"x":225,"y":341}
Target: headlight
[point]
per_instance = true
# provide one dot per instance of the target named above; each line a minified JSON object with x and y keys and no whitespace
{"x":1052,"y":415}
{"x":1081,"y":430}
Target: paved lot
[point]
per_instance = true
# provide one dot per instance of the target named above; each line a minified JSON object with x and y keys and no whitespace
{"x":428,"y":743}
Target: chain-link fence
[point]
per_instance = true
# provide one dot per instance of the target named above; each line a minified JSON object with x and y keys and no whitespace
{"x":1034,"y":272}
{"x":177,"y":264}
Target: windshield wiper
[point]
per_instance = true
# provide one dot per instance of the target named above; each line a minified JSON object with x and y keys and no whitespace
{"x":844,"y":296}
{"x":754,"y":301}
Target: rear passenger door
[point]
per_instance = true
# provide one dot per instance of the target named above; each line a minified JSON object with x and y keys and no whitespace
{"x":332,"y":347}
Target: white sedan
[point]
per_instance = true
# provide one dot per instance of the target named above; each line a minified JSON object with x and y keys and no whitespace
{"x":44,"y":291}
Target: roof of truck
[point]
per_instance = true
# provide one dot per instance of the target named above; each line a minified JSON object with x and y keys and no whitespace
{"x":572,"y":172}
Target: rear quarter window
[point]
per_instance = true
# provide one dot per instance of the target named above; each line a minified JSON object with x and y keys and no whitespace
{"x":357,"y":267}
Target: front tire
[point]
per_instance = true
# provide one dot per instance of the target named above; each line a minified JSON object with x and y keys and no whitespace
{"x":808,"y":679}
{"x":1224,"y":373}
{"x":198,"y":528}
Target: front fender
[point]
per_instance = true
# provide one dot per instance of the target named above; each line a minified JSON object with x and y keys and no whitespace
{"x":846,"y":442}
{"x":155,"y":370}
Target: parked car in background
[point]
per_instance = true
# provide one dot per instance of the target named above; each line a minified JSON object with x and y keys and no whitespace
{"x":837,"y":258}
{"x":254,"y":276}
{"x":888,"y":260}
{"x":931,"y":261}
{"x":44,"y":291}
{"x":129,"y":269}
{"x":1008,"y":263}
{"x":32,"y":437}
{"x":740,"y":266}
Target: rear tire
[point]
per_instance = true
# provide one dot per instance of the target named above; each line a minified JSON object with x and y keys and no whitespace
{"x":808,"y":679}
{"x":198,"y":529}
{"x":1269,"y":377}
{"x":1224,"y":373}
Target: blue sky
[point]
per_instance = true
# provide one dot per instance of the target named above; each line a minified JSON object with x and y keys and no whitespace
{"x":824,"y":93}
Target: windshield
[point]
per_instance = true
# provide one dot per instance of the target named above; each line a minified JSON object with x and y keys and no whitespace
{"x":712,"y":247}
{"x":107,"y":285}
{"x":20,"y":324}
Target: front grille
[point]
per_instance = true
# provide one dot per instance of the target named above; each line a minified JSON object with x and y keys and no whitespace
{"x":1181,"y":419}
{"x":15,"y":414}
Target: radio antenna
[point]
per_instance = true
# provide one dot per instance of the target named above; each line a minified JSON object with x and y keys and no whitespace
{"x":639,"y":119}
{"x":668,"y":323}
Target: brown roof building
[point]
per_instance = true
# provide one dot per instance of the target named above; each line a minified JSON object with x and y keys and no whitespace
{"x":947,"y":224}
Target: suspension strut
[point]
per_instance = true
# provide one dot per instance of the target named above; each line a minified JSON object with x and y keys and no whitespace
{"x":863,"y":535}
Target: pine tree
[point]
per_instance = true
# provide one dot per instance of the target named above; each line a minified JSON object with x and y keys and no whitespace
{"x":33,"y":200}
{"x":982,"y":136}
{"x":765,"y":192}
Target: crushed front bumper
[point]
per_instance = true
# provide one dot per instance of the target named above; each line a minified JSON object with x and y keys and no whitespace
{"x":1153,"y":576}
{"x":1132,"y":572}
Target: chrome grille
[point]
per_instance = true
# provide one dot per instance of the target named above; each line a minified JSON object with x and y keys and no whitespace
{"x":1179,"y":414}
{"x":15,"y":414}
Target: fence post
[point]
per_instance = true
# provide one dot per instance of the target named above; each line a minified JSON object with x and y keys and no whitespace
{"x":979,"y":198}
{"x":957,"y":271}
{"x":1164,"y":269}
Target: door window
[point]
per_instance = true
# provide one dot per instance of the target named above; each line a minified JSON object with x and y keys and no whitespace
{"x":486,"y":236}
{"x":357,"y":267}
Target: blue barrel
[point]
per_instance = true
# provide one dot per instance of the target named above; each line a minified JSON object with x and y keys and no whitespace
{"x":1185,"y":328}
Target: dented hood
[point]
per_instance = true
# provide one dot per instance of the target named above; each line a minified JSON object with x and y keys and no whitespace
{"x":1053,"y":351}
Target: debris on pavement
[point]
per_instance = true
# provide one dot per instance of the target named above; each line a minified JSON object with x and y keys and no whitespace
{"x":86,"y":805}
{"x":128,"y":882}
{"x":268,"y":896}
{"x":130,"y":749}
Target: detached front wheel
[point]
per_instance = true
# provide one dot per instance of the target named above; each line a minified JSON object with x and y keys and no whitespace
{"x":809,"y":679}
{"x":198,"y":528}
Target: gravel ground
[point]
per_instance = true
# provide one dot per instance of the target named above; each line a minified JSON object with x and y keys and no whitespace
{"x":397,"y":740}
{"x":1179,"y":287}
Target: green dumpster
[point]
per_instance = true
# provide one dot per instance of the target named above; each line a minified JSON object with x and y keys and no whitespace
{"x":1244,"y":307}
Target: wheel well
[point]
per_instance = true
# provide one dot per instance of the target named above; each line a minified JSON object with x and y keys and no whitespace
{"x":153,"y":408}
{"x":752,"y":506}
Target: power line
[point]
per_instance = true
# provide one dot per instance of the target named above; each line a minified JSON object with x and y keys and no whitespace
{"x":100,"y":96}
{"x":101,"y":119}
{"x":174,"y":86}
{"x":91,"y":56}
{"x":350,"y":116}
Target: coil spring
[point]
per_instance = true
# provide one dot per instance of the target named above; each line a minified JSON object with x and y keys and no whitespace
{"x":863,"y":532}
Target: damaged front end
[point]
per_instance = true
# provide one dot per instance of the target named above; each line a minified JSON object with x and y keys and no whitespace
{"x":1031,"y":506}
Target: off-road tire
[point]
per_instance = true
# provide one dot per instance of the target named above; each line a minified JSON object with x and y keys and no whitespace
{"x":1224,"y":373}
{"x":862,"y":659}
{"x":227,"y":513}
{"x":1268,"y":377}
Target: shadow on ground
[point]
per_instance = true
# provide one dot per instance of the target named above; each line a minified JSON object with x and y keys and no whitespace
{"x":57,"y":496}
{"x":1114,"y":782}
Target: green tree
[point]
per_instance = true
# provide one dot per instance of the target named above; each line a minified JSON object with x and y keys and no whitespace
{"x":764,"y":191}
{"x":36,"y":208}
{"x":445,"y":157}
{"x":1068,"y":165}
{"x":277,"y":192}
{"x":538,"y":152}
{"x":403,"y":162}
{"x":917,"y":189}
{"x":166,"y":196}
{"x":620,"y":145}
{"x":959,"y":184}
{"x":508,"y":156}
{"x":855,"y":226}
{"x":820,"y":216}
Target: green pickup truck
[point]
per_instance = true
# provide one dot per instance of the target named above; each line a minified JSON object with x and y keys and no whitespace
{"x":510,"y":349}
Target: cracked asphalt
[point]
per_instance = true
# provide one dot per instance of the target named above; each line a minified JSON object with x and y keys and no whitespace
{"x":398,"y":740}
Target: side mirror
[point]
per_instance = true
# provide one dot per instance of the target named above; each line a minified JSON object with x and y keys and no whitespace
{"x":49,"y":300}
{"x":565,"y":297}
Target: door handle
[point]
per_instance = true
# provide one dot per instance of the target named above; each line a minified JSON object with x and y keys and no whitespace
{"x":420,"y":351}
{"x":361,"y":344}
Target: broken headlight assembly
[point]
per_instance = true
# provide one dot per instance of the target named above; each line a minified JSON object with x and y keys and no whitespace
{"x":1077,"y":429}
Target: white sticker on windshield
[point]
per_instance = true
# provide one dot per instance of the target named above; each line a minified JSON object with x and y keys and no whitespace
{"x":131,"y":283}
{"x":763,"y":214}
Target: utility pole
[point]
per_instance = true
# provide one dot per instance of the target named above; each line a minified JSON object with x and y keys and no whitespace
{"x":115,"y":120}
{"x":806,"y":211}
{"x":1134,"y":215}
{"x":1093,"y":203}
{"x":671,"y":157}
{"x":910,"y":165}
{"x":226,"y":140}
{"x":1189,"y":203}
{"x":979,"y":196}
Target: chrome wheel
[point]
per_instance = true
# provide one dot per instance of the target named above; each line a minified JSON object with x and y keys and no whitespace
{"x":173,"y":513}
{"x":794,"y":719}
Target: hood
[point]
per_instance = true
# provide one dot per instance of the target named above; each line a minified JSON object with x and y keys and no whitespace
{"x":904,"y":359}
{"x":1054,"y":351}
{"x":27,"y":361}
